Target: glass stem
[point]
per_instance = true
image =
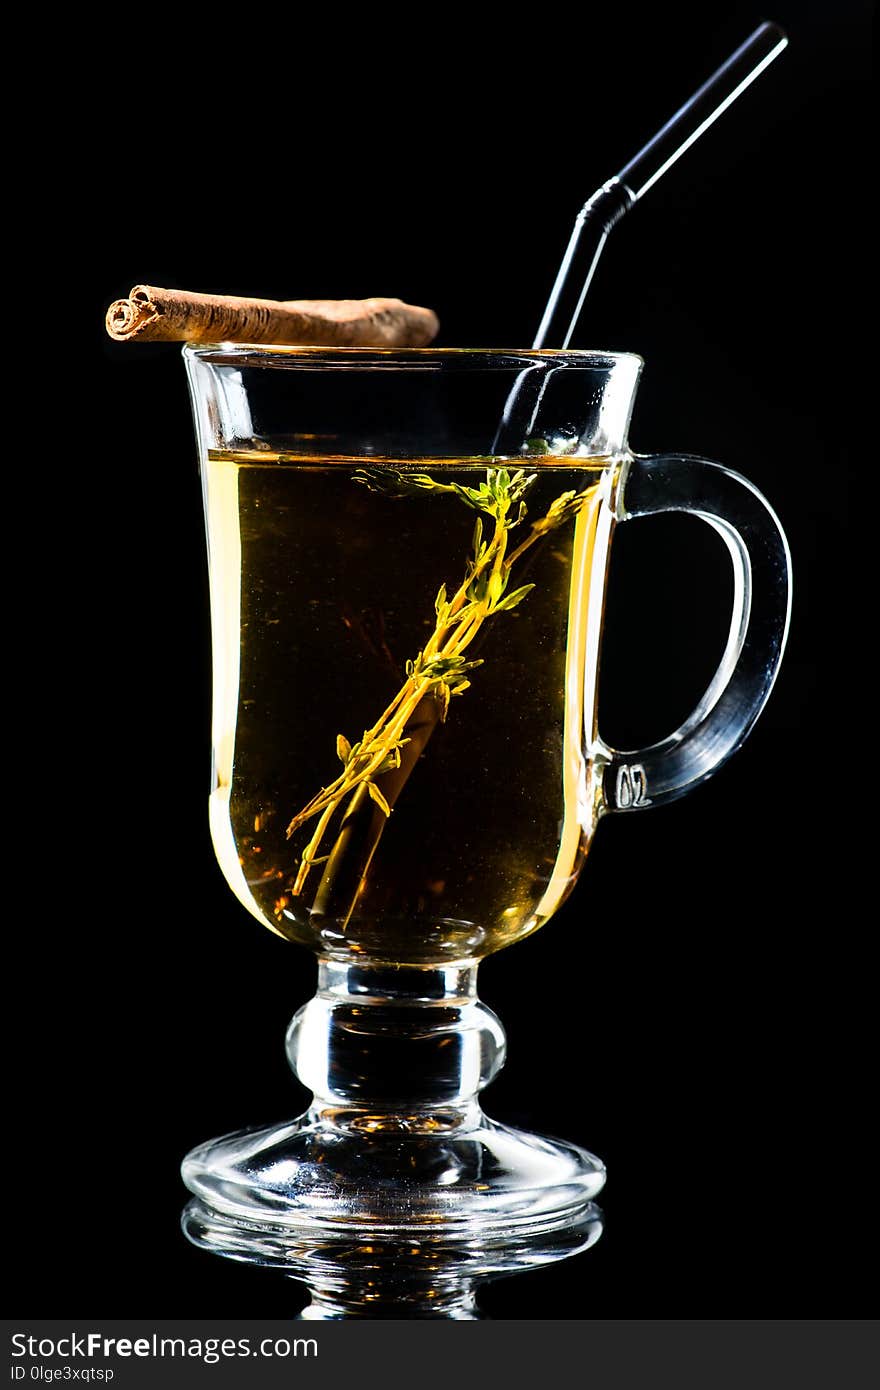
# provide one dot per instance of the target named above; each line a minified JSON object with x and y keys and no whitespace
{"x":396,"y":1048}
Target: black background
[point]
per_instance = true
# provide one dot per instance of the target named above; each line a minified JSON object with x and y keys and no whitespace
{"x":696,"y":1013}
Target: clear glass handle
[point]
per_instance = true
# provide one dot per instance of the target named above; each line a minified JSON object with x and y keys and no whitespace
{"x":758,"y":627}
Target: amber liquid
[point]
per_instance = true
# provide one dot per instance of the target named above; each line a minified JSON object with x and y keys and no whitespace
{"x":321,"y":591}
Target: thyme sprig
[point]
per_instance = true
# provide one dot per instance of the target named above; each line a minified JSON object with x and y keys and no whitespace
{"x":441,"y":668}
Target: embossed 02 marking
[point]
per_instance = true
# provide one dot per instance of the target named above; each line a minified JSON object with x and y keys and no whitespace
{"x":630,"y":787}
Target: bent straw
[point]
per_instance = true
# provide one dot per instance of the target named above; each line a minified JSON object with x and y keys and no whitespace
{"x":364,"y":823}
{"x":611,"y":202}
{"x":615,"y":198}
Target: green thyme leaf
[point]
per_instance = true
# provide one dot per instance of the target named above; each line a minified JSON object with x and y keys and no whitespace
{"x":513,"y":599}
{"x":378,"y":798}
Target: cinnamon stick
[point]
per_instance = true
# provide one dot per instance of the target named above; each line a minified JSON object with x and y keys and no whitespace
{"x":151,"y":314}
{"x":364,"y":822}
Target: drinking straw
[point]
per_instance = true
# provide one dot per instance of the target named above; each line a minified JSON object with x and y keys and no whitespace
{"x":364,"y":822}
{"x":615,"y":198}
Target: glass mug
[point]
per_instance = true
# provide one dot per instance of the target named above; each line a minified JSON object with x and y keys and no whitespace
{"x":408,"y":554}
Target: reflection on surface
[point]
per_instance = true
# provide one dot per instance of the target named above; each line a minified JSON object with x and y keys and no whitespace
{"x":395,"y":1277}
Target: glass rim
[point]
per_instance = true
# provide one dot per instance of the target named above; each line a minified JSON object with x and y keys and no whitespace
{"x":292,"y":354}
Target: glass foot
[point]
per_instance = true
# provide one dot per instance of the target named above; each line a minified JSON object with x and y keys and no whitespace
{"x":379,"y":1175}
